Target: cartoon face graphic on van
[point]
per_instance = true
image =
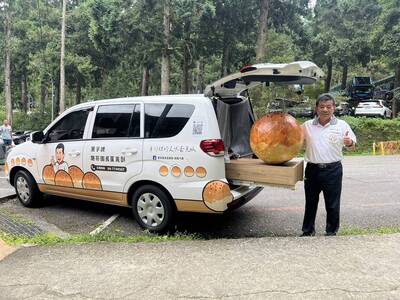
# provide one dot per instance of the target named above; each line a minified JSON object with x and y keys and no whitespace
{"x":59,"y":163}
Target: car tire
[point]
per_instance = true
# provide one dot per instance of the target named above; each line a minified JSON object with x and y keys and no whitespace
{"x":153,"y":209}
{"x":26,"y":189}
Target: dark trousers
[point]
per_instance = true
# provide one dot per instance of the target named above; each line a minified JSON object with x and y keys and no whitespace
{"x":328,"y":179}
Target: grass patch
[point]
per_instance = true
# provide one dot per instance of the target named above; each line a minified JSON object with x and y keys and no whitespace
{"x":49,"y":239}
{"x":369,"y":231}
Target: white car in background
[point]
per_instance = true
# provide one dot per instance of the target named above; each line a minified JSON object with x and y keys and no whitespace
{"x":373,"y":108}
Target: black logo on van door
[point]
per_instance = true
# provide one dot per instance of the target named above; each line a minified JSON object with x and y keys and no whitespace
{"x":107,"y":168}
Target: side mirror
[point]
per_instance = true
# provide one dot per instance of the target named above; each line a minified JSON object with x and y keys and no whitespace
{"x":37,"y":137}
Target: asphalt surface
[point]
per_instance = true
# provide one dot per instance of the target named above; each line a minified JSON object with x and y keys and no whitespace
{"x":370,"y":199}
{"x":362,"y":267}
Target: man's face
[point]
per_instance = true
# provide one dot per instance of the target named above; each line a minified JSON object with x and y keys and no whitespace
{"x":59,"y":155}
{"x":325,"y":109}
{"x":5,"y":122}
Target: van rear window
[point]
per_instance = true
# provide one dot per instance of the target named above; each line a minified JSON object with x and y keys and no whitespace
{"x":166,"y":120}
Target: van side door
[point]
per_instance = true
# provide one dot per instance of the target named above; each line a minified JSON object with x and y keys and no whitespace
{"x":60,"y":156}
{"x":113,"y":154}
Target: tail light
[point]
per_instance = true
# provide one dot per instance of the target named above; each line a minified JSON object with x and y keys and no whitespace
{"x":214,"y":147}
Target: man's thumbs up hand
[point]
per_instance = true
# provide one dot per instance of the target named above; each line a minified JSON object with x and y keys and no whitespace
{"x":347,"y":141}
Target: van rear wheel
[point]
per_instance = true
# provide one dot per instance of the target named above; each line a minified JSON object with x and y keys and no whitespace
{"x":152,"y":209}
{"x":27,"y":189}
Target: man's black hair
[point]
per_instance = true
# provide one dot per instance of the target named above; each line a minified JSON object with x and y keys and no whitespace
{"x":325,"y":97}
{"x":60,"y":146}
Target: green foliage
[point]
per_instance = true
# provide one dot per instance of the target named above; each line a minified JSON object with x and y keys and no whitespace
{"x":370,"y":130}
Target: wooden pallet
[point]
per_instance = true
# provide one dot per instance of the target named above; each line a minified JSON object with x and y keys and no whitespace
{"x":258,"y":172}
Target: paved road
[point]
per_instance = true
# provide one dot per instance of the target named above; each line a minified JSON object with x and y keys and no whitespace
{"x":371,"y":199}
{"x":361,"y":267}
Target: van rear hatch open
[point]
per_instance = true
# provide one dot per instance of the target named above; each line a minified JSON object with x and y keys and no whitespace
{"x":235,"y":113}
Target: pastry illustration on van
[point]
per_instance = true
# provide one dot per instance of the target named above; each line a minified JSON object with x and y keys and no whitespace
{"x":77,"y":176}
{"x":48,"y":174}
{"x":91,"y":181}
{"x":59,"y":163}
{"x":62,"y":178}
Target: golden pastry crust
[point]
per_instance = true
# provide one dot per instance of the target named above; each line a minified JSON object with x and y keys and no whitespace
{"x":62,"y":178}
{"x":48,"y":174}
{"x":76,"y":175}
{"x":91,"y":181}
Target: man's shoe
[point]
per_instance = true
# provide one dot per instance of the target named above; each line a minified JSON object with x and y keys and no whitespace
{"x":312,"y":233}
{"x":330,"y":234}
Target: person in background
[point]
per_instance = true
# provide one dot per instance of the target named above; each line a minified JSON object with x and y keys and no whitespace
{"x":325,"y":136}
{"x":6,"y":135}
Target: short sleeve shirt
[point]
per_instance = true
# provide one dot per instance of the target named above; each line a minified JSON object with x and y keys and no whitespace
{"x":5,"y":132}
{"x":324,"y":144}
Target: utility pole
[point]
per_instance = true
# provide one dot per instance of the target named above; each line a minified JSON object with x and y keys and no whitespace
{"x":62,"y":70}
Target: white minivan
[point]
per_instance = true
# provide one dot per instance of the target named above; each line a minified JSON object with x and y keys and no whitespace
{"x":155,"y":154}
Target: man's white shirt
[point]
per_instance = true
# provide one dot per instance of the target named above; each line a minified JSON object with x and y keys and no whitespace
{"x":324,"y":144}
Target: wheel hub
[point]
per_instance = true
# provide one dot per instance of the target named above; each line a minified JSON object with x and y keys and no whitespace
{"x":150,"y":209}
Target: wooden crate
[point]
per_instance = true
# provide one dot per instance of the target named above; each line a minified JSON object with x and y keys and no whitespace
{"x":257,"y":171}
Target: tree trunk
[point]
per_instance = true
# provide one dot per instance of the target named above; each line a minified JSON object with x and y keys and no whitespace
{"x":185,"y":70}
{"x":62,"y":70}
{"x":328,"y":75}
{"x":344,"y":77}
{"x":43,"y":97}
{"x":78,"y":94}
{"x":200,"y":76}
{"x":225,"y":60}
{"x":144,"y":91}
{"x":262,"y":30}
{"x":104,"y":78}
{"x":396,"y":85}
{"x":165,"y":61}
{"x":7,"y":65}
{"x":24,"y":93}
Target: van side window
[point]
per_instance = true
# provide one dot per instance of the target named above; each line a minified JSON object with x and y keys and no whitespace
{"x":166,"y":120}
{"x":70,"y":127}
{"x":114,"y":121}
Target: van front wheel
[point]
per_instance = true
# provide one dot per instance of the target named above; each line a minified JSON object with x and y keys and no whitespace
{"x":27,"y":189}
{"x":152,"y":209}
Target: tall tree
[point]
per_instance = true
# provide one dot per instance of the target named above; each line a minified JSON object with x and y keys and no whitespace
{"x":62,"y":70}
{"x":166,"y":60}
{"x":7,"y":53}
{"x":262,"y":30}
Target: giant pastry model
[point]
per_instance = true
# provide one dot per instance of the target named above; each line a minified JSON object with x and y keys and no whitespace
{"x":276,"y":138}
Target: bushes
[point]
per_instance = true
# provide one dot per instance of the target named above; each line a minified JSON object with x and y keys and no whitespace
{"x":31,"y":121}
{"x":369,"y":130}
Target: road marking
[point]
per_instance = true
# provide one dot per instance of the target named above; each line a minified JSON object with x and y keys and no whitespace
{"x":104,"y":225}
{"x":3,"y":177}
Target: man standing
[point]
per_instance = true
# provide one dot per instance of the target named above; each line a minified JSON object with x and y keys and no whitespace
{"x":325,"y":137}
{"x":6,"y":134}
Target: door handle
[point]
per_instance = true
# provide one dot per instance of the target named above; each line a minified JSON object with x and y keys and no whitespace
{"x":129,"y":152}
{"x":74,"y":153}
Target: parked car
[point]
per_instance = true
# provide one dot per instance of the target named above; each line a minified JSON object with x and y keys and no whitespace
{"x":20,"y":137}
{"x":373,"y":108}
{"x":302,"y":110}
{"x":297,"y":110}
{"x":157,"y":155}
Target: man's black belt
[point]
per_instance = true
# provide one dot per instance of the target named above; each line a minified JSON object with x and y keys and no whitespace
{"x":325,"y":165}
